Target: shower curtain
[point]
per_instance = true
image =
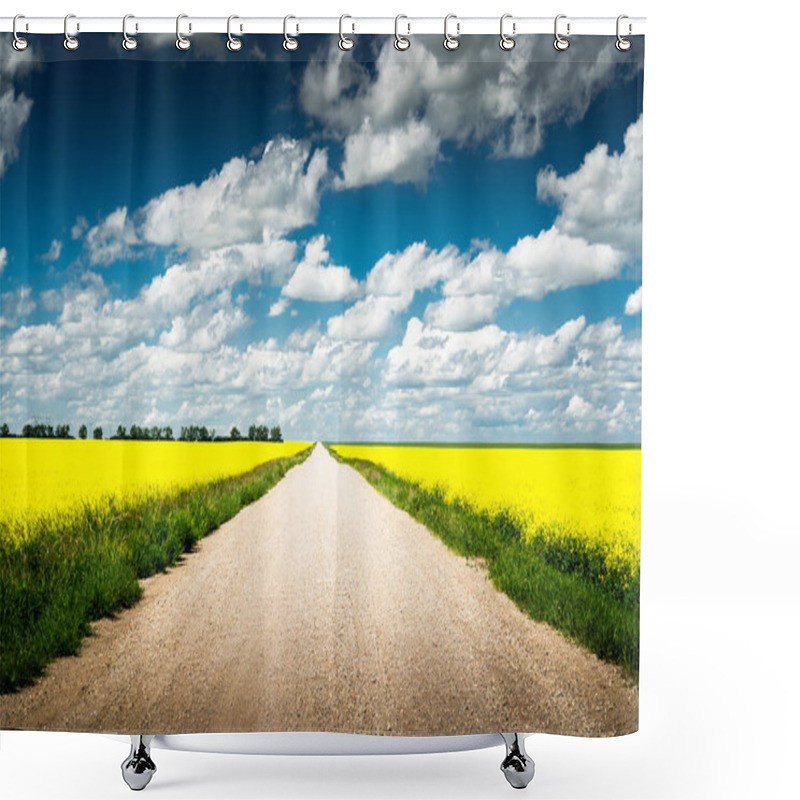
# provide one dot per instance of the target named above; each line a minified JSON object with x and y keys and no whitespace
{"x":321,"y":385}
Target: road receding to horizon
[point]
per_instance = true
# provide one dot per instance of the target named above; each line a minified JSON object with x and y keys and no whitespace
{"x":321,"y":606}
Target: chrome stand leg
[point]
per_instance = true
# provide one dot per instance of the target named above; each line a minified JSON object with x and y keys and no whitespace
{"x":138,"y":768}
{"x":517,"y":766}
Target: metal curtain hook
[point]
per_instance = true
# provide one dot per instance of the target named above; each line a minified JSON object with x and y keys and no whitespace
{"x":181,"y":42}
{"x":233,"y":44}
{"x":451,"y":42}
{"x":128,"y":42}
{"x":19,"y":43}
{"x":289,"y":43}
{"x":507,"y":42}
{"x":70,"y":42}
{"x":345,"y":43}
{"x":560,"y":42}
{"x":623,"y":44}
{"x":400,"y":42}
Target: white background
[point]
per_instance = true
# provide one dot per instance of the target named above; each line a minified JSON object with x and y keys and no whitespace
{"x":720,"y":554}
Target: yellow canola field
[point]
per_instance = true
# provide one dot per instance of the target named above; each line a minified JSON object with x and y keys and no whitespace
{"x":39,"y":476}
{"x":559,"y":494}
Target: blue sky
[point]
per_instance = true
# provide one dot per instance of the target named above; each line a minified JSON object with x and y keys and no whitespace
{"x":369,"y":245}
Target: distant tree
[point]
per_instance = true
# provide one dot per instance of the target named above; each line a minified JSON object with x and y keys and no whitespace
{"x":27,"y":430}
{"x":168,"y":432}
{"x":83,"y":432}
{"x":4,"y":430}
{"x":62,"y":431}
{"x":49,"y":433}
{"x":155,"y":432}
{"x":98,"y":432}
{"x":275,"y":434}
{"x":235,"y":435}
{"x":121,"y":431}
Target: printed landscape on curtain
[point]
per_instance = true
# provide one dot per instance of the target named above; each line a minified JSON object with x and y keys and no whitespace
{"x":321,"y":386}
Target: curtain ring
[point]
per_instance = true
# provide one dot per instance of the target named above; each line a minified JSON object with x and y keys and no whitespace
{"x":451,"y":42}
{"x":289,"y":43}
{"x":622,"y":44}
{"x":181,"y":42}
{"x":233,"y":44}
{"x":19,"y":43}
{"x":507,"y":42}
{"x":128,"y":42}
{"x":345,"y":43}
{"x":560,"y":42}
{"x":400,"y":42}
{"x":70,"y":42}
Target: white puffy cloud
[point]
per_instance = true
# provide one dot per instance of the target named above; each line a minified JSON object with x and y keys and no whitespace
{"x":532,"y":268}
{"x":278,"y":307}
{"x":473,"y":285}
{"x":369,"y":319}
{"x":429,"y":95}
{"x":633,"y":305}
{"x":206,"y":327}
{"x":403,"y":154}
{"x":208,"y":272}
{"x":15,"y":108}
{"x":390,"y":288}
{"x":602,"y":200}
{"x":415,"y":268}
{"x":3,"y":259}
{"x":53,"y":252}
{"x":15,"y":304}
{"x":462,"y":313}
{"x":112,"y":239}
{"x":316,"y":280}
{"x":487,"y":357}
{"x":247,"y":201}
{"x":579,"y":408}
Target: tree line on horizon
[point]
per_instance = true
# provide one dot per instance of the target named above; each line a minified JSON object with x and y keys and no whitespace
{"x":154,"y":433}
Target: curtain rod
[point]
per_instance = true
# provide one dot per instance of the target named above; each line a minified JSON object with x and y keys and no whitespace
{"x":461,"y":26}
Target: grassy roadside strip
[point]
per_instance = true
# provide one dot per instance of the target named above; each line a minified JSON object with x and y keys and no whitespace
{"x":69,"y":570}
{"x":577,"y":607}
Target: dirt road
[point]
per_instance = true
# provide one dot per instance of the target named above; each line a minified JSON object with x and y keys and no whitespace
{"x":323,"y":607}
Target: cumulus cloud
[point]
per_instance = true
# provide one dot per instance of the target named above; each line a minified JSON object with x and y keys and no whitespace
{"x":247,"y":201}
{"x":473,"y":284}
{"x":420,"y":99}
{"x":53,"y":253}
{"x":579,"y":408}
{"x":206,"y":326}
{"x":413,"y":269}
{"x":3,"y":259}
{"x":462,"y":313}
{"x":602,"y":200}
{"x":403,"y":154}
{"x":633,"y":305}
{"x":536,"y":266}
{"x":15,"y":304}
{"x":112,"y":239}
{"x":316,"y":280}
{"x":278,"y":307}
{"x":15,"y":107}
{"x":369,"y":319}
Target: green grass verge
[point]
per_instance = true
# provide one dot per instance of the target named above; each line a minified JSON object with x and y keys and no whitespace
{"x":72,"y":569}
{"x":574,"y":604}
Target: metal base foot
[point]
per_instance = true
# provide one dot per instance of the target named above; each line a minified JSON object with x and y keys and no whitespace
{"x":138,"y":768}
{"x":517,"y":766}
